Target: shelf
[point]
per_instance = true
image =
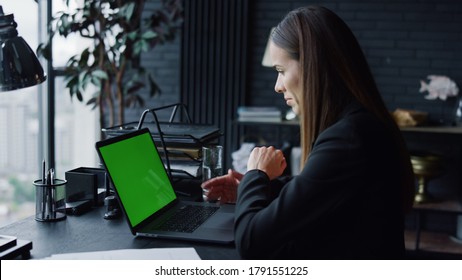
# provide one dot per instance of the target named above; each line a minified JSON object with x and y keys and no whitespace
{"x":450,"y":206}
{"x":434,"y":129}
{"x":427,"y":244}
{"x":425,"y":129}
{"x":281,"y":123}
{"x":431,"y":242}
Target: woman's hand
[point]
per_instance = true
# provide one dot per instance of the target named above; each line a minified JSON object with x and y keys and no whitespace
{"x":269,"y":160}
{"x":222,"y":188}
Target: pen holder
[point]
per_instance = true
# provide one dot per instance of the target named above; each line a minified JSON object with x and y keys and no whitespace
{"x":50,"y":201}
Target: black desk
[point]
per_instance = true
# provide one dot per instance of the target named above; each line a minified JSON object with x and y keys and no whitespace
{"x":91,"y":232}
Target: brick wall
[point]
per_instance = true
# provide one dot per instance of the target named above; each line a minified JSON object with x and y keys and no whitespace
{"x":404,"y":41}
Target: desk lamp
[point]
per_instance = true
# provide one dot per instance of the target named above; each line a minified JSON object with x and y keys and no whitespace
{"x":19,"y":68}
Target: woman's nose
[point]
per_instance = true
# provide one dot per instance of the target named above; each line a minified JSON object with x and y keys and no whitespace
{"x":278,"y":87}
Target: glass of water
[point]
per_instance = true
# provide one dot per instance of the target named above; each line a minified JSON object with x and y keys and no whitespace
{"x":212,"y":162}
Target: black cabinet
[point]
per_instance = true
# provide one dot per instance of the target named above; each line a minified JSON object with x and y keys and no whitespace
{"x":432,"y":228}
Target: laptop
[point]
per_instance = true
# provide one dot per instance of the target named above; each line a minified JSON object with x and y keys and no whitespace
{"x":147,"y":197}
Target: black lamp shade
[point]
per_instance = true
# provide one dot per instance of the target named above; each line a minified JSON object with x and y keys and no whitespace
{"x":19,"y":67}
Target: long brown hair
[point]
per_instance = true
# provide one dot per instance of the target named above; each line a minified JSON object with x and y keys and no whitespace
{"x":334,"y":72}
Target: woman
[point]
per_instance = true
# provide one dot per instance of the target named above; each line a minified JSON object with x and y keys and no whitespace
{"x":356,"y":181}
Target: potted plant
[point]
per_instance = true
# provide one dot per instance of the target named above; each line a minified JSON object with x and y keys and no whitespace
{"x":119,"y":32}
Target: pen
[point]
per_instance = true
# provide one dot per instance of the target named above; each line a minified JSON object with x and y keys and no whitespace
{"x":52,"y":192}
{"x":44,"y":194}
{"x":48,"y":196}
{"x":43,"y":172}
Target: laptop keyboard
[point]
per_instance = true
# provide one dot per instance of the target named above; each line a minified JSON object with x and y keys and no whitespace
{"x":188,"y":218}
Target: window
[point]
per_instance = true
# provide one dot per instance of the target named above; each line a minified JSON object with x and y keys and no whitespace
{"x":22,"y":114}
{"x":19,"y":134}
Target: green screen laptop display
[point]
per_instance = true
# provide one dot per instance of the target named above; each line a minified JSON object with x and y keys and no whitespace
{"x":134,"y":163}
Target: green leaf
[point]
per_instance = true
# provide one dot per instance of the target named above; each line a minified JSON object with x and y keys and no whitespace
{"x":134,"y":87}
{"x":82,"y":76}
{"x":93,"y":101}
{"x":127,"y":11}
{"x":72,"y":85}
{"x":44,"y":50}
{"x":140,"y":100}
{"x":154,"y":88}
{"x":84,"y":80}
{"x":79,"y":96}
{"x":140,"y":46}
{"x":84,"y":57}
{"x":97,"y":76}
{"x":149,"y":35}
{"x":132,"y":35}
{"x":137,"y":47}
{"x":100,"y":74}
{"x":96,"y":82}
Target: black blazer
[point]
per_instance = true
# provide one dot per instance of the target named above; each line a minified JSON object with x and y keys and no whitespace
{"x":345,"y":204}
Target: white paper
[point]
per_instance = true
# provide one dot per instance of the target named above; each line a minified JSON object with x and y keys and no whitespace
{"x":132,"y":254}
